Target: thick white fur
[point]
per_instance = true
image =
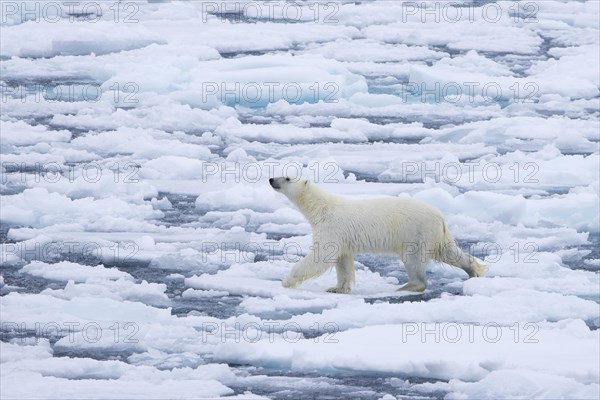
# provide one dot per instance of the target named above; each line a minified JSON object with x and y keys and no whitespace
{"x":342,"y":227}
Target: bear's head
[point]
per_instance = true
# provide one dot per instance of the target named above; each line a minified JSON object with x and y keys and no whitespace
{"x":290,"y":187}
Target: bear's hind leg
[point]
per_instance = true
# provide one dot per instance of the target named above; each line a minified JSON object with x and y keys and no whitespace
{"x":417,"y":279}
{"x":453,"y":255}
{"x":345,"y":274}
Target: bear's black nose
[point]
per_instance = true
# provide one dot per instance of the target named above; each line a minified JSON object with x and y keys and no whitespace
{"x":274,"y":183}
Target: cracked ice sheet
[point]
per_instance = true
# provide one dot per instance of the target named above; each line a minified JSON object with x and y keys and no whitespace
{"x":172,"y":134}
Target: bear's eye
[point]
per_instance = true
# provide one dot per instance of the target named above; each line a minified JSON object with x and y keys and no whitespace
{"x":287,"y":179}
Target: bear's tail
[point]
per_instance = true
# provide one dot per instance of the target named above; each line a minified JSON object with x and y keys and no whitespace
{"x":450,"y":253}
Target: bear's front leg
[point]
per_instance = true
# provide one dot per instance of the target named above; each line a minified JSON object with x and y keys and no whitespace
{"x":309,"y":267}
{"x":345,"y":274}
{"x":290,"y":282}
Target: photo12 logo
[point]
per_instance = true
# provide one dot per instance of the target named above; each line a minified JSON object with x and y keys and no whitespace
{"x":253,"y":332}
{"x":453,"y":332}
{"x":273,"y":11}
{"x":262,"y":93}
{"x":70,"y":11}
{"x":471,"y":92}
{"x":90,"y":332}
{"x":526,"y":252}
{"x":70,"y":250}
{"x":53,"y":172}
{"x":254,"y":172}
{"x":119,"y":94}
{"x":455,"y":11}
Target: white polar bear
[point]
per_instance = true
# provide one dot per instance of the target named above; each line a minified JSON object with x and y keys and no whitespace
{"x":341,"y":228}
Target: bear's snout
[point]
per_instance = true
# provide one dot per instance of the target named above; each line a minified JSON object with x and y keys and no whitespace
{"x":274,"y":183}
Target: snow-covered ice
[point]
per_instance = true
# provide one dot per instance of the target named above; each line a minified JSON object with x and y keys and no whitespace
{"x":142,"y":249}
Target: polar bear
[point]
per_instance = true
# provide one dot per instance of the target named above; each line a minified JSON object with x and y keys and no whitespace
{"x":410,"y":229}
